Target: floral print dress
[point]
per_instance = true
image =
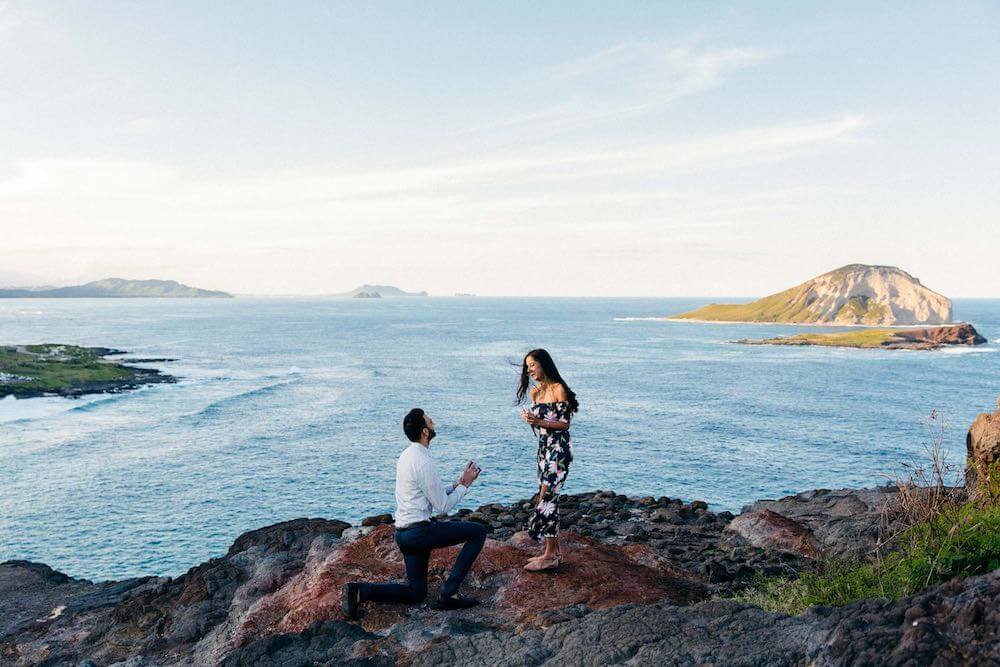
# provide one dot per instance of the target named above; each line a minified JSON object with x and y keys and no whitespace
{"x":555,"y":453}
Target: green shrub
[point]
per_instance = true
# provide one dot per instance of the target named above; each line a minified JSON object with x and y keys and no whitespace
{"x":961,"y":541}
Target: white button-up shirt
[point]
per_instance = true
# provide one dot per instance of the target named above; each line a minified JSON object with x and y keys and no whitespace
{"x":420,"y":493}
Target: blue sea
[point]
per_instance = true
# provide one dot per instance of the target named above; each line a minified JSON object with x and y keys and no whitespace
{"x":292,"y":407}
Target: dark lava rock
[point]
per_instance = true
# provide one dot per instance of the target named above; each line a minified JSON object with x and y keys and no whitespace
{"x":377,"y":520}
{"x":323,"y":643}
{"x":32,"y":594}
{"x":274,"y":599}
{"x":287,"y":534}
{"x":960,"y":628}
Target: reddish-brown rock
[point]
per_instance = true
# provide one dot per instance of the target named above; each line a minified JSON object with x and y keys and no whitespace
{"x":982,"y":448}
{"x":766,"y":529}
{"x":592,"y":574}
{"x":954,"y":334}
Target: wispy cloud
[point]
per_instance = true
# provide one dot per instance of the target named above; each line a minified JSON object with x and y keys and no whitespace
{"x":88,"y":178}
{"x":515,"y":191}
{"x":100,"y":178}
{"x":626,"y":79}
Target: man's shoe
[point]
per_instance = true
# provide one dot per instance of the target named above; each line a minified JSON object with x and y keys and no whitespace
{"x":458,"y":602}
{"x":352,"y":598}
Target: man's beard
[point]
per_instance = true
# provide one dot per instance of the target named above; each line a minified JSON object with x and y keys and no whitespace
{"x":430,"y":434}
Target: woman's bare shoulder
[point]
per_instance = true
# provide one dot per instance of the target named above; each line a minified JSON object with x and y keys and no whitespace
{"x":559,"y":393}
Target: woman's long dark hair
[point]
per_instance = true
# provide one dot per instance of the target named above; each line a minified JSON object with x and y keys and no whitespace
{"x":544,"y":360}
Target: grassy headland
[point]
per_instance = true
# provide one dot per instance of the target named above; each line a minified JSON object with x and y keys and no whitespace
{"x":860,"y":338}
{"x":788,"y":306}
{"x":67,"y":370}
{"x":929,"y":338}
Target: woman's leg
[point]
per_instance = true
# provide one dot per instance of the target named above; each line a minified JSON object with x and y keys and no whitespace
{"x":551,"y":547}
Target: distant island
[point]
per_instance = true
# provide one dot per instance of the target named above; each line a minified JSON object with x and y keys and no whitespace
{"x":387,"y":291}
{"x":853,"y":294}
{"x":463,"y":294}
{"x":930,"y":338}
{"x":51,"y":369}
{"x":367,"y":295}
{"x":116,"y":288}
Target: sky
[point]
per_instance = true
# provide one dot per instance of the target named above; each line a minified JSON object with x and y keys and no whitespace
{"x":515,"y":148}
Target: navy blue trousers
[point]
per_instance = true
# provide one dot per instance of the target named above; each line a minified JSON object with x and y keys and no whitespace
{"x":416,"y":544}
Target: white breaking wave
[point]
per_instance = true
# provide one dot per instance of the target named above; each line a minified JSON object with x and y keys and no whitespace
{"x":967,"y":350}
{"x":22,"y":409}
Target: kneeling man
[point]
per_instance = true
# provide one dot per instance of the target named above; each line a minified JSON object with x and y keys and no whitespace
{"x":420,"y":495}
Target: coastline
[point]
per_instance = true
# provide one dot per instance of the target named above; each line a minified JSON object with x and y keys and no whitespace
{"x":274,"y":597}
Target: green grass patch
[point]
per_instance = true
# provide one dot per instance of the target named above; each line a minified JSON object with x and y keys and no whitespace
{"x":28,"y":370}
{"x":859,"y":338}
{"x":792,"y":305}
{"x":962,"y":541}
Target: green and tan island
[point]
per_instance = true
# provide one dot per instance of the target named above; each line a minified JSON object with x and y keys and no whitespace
{"x":859,"y":295}
{"x":856,"y":294}
{"x":31,"y":371}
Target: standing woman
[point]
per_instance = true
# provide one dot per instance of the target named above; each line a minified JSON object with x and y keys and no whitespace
{"x":553,"y":405}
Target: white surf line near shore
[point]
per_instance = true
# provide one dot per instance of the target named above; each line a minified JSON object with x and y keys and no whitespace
{"x":24,"y":409}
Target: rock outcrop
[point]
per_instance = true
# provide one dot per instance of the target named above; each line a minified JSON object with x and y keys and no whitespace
{"x":852,"y":294}
{"x":957,"y":334}
{"x":637,"y":587}
{"x":769,"y":530}
{"x":982,"y":451}
{"x":843,"y":522}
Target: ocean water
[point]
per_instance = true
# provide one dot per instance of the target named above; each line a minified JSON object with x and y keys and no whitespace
{"x":292,"y":407}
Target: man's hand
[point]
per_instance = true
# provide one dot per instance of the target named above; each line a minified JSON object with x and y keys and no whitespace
{"x":469,"y":475}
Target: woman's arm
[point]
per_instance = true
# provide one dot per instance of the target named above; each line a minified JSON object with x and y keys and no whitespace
{"x":547,"y":425}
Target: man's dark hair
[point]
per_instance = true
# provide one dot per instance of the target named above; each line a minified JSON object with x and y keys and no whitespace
{"x":414,"y":424}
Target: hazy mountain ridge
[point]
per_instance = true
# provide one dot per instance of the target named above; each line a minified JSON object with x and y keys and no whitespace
{"x":853,"y":294}
{"x":117,"y":288}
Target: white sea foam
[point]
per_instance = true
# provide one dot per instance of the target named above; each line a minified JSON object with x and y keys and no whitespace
{"x":20,"y":310}
{"x":14,"y":409}
{"x":968,"y":350}
{"x":641,"y":319}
